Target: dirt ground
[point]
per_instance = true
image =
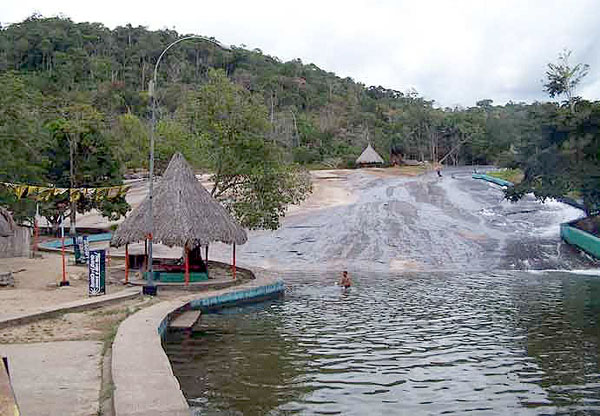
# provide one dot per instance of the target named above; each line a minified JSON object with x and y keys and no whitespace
{"x":96,"y":325}
{"x":36,"y":284}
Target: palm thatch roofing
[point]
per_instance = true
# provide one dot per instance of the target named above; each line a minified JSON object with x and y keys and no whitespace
{"x":184,"y":213}
{"x":369,"y":156}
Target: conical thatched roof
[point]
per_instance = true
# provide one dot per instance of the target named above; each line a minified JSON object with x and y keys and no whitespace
{"x":368,"y":156}
{"x":184,"y":212}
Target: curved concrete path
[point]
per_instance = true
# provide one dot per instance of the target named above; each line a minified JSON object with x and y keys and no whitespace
{"x":142,"y":375}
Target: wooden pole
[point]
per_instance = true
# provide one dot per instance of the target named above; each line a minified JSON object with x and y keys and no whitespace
{"x":126,"y":263}
{"x":234,"y":261}
{"x":187,"y":265}
{"x":36,"y":235}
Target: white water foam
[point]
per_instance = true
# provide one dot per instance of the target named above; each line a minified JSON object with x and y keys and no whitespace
{"x":562,"y":213}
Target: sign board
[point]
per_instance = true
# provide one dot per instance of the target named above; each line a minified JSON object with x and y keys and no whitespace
{"x":81,"y":248}
{"x":86,"y":248}
{"x":77,"y":250}
{"x":97,"y":273}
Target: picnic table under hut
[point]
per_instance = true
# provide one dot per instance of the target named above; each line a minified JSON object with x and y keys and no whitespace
{"x":185,"y":215}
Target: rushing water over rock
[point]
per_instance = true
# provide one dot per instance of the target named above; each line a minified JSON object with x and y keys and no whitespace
{"x":421,"y":343}
{"x":453,"y":310}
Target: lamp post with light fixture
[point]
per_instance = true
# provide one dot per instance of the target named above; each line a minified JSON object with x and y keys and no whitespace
{"x":150,"y":288}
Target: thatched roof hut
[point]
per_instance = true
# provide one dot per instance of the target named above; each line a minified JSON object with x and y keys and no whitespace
{"x":184,"y":213}
{"x":369,"y":157}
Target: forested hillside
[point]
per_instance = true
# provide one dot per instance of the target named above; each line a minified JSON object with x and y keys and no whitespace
{"x":63,"y":82}
{"x":313,"y":114}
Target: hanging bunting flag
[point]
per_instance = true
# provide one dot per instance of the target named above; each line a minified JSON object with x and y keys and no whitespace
{"x":44,"y":193}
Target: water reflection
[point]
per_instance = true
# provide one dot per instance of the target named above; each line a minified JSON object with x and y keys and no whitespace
{"x":245,"y":374}
{"x":561,"y":317}
{"x":502,"y":343}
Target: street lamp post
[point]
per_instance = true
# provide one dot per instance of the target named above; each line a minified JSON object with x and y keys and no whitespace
{"x":150,"y":288}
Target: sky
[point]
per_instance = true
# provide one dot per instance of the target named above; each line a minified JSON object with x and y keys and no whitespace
{"x":455,"y":52}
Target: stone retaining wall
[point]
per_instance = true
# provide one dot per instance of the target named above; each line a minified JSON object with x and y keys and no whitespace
{"x":16,"y":245}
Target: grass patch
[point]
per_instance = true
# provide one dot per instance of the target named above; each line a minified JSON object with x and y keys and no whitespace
{"x":105,"y":312}
{"x":512,"y":175}
{"x":110,"y":325}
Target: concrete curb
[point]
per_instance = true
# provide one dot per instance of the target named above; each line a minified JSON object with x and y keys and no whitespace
{"x":492,"y":179}
{"x":580,"y":239}
{"x":142,"y":375}
{"x":75,"y":306}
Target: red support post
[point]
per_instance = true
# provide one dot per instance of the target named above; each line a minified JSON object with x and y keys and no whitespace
{"x":187,"y":266}
{"x":234,"y":261}
{"x":126,"y":263}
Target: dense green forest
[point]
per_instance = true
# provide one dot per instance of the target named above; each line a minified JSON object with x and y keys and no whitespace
{"x":83,"y":88}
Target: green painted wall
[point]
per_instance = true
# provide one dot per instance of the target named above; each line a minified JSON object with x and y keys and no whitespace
{"x":497,"y":181}
{"x":174,"y":277}
{"x":585,"y":241}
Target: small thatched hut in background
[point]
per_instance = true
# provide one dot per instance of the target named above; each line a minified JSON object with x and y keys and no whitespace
{"x":369,"y":157}
{"x":185,"y":215}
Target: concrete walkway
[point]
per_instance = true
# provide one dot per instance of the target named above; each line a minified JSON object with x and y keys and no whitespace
{"x":78,"y":305}
{"x":55,"y":378}
{"x":64,"y":378}
{"x":142,"y":375}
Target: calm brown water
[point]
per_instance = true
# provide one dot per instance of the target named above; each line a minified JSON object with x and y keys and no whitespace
{"x":422,"y":343}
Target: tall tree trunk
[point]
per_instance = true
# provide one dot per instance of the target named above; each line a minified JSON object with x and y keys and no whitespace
{"x":296,"y":141}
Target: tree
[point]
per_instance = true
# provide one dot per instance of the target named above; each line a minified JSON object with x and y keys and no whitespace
{"x":22,"y":142}
{"x":132,"y":135}
{"x":81,"y":155}
{"x":561,"y":158}
{"x":559,"y":154}
{"x":563,"y":79}
{"x":250,"y":176}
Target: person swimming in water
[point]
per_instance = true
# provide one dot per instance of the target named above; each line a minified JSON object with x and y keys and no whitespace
{"x":345,"y":281}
